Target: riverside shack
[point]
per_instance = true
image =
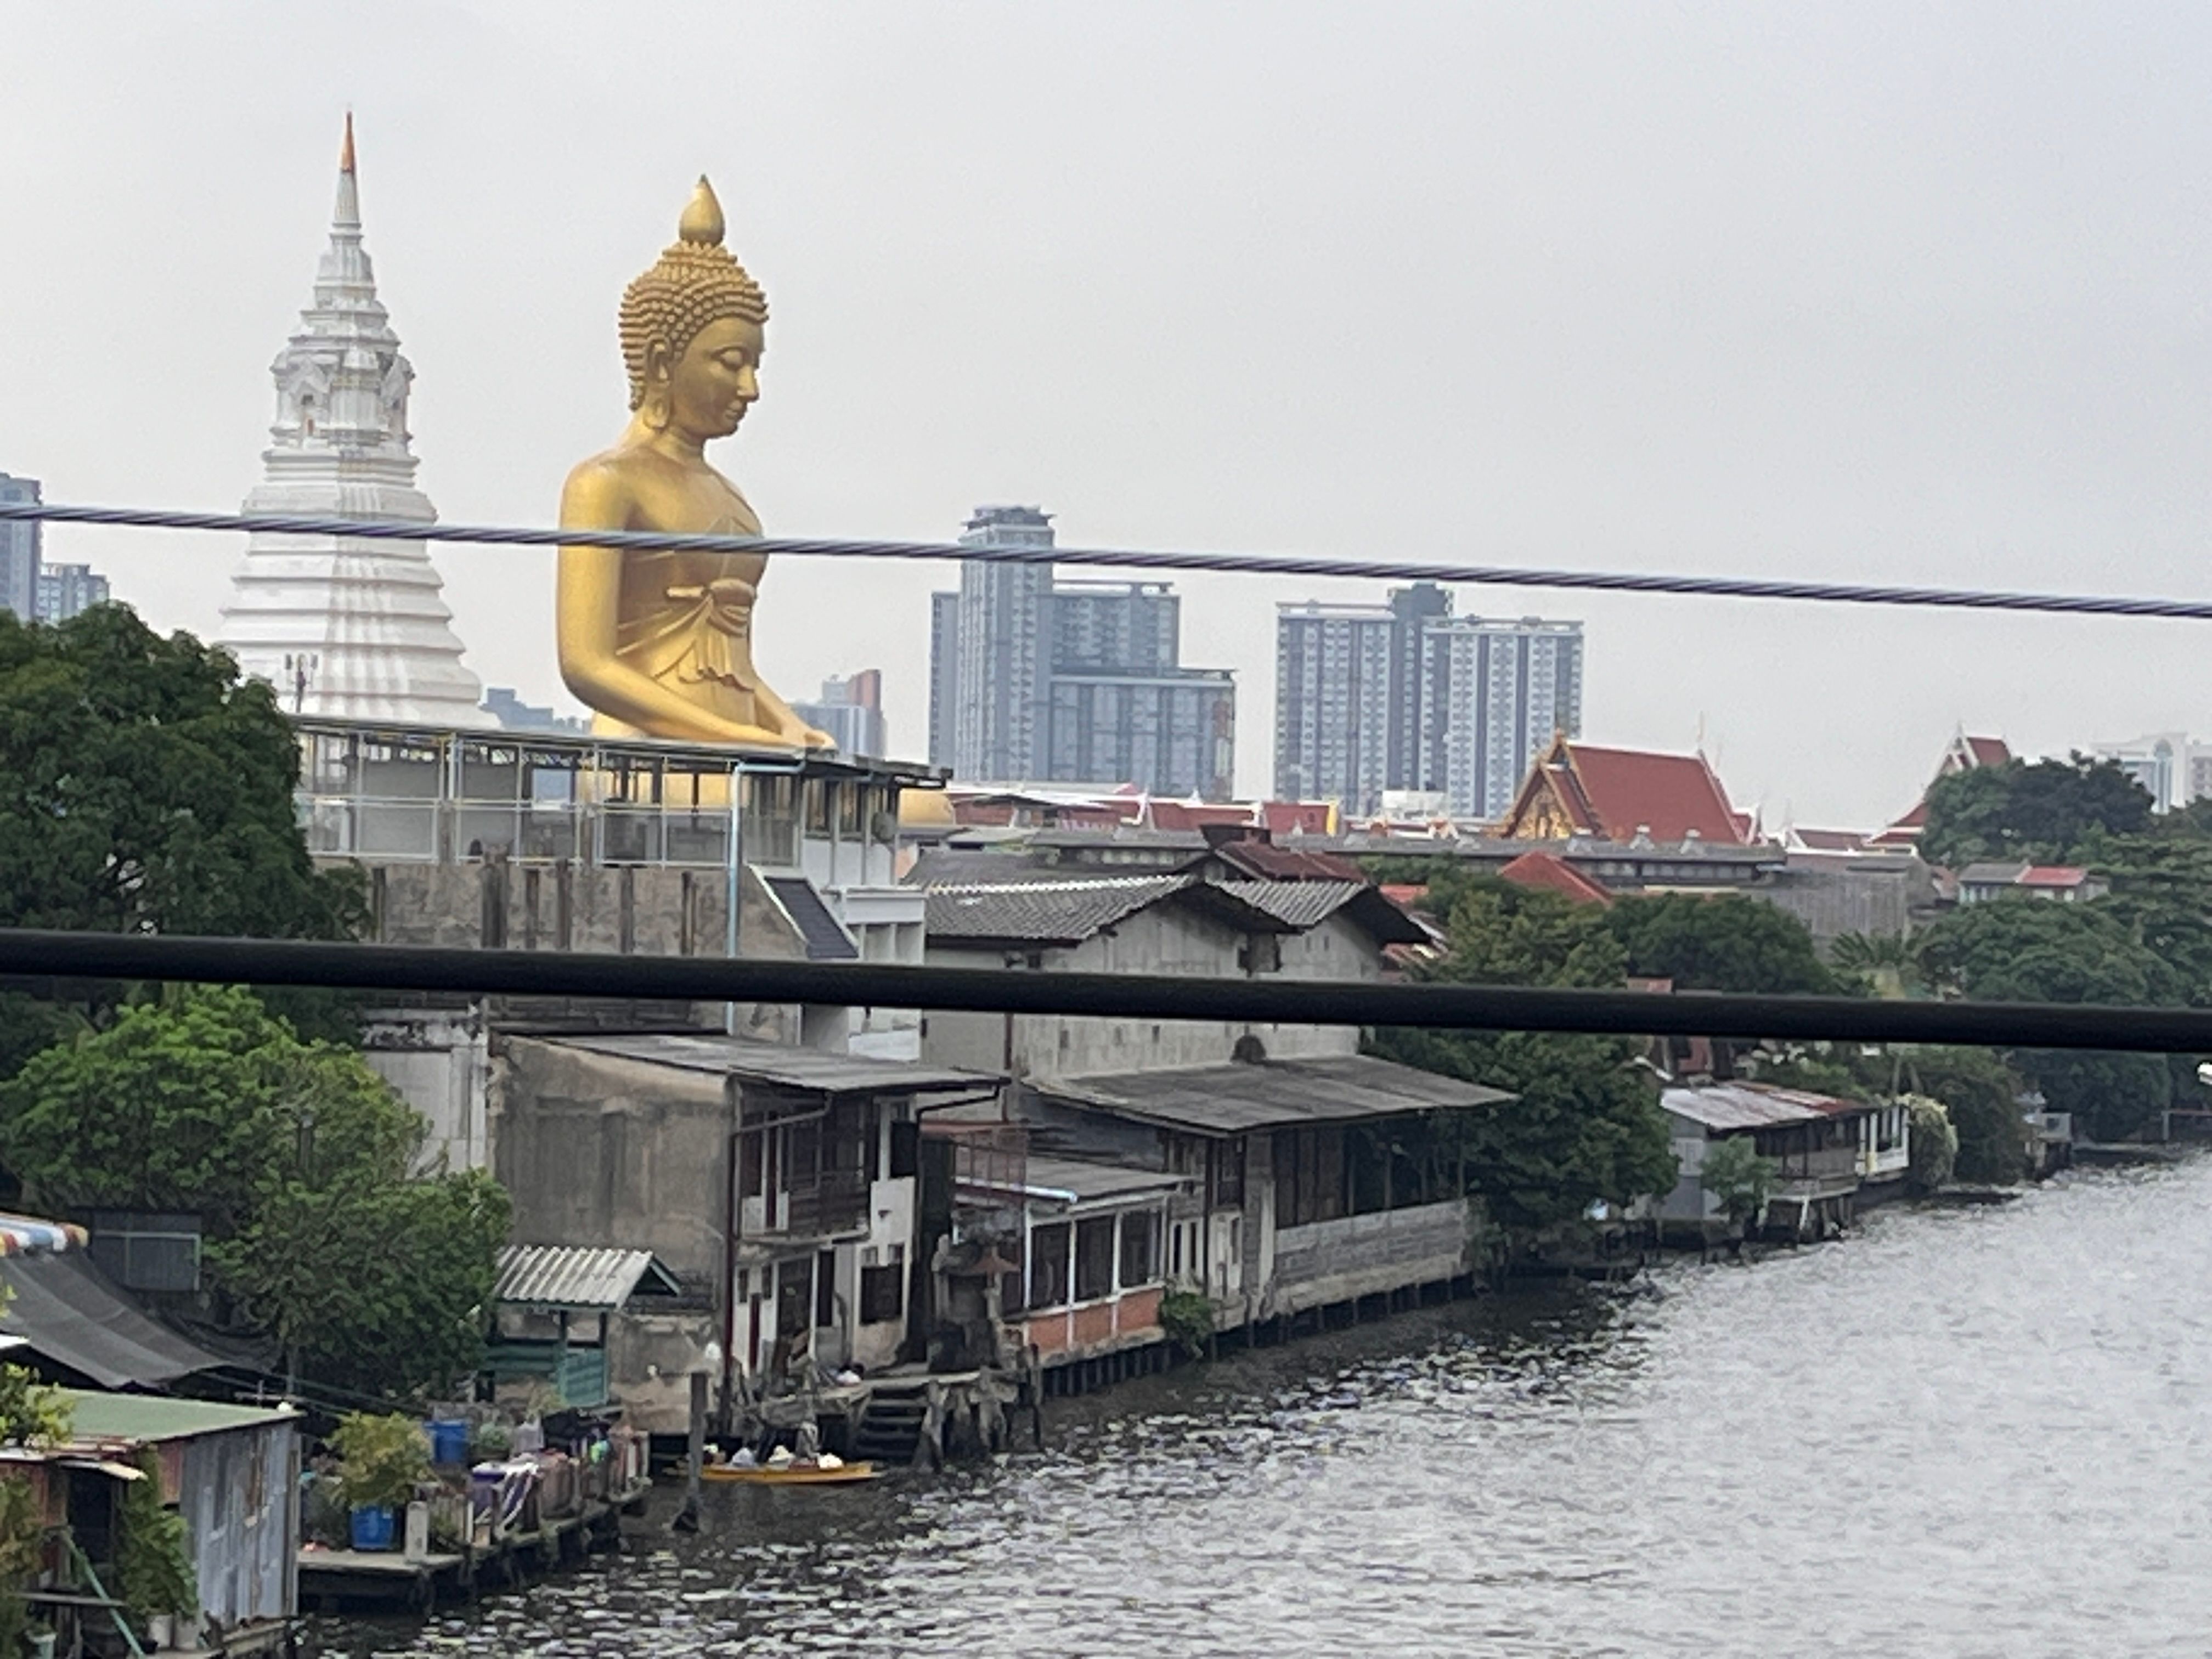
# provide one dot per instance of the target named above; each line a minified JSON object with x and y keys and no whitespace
{"x":233,"y":1472}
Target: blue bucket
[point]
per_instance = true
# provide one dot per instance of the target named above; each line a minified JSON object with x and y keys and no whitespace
{"x":449,"y":1441}
{"x":371,"y":1527}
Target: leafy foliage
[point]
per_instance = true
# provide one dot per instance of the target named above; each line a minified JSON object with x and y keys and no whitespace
{"x":2026,"y":952}
{"x":1886,"y":964}
{"x":1740,"y":1176}
{"x":1980,"y":1094}
{"x":1720,"y":942}
{"x":1935,"y":1143}
{"x":2038,"y":810}
{"x":385,"y":1284}
{"x":1586,"y":1126}
{"x":300,"y":1160}
{"x":1187,"y":1319}
{"x":144,"y":788}
{"x":201,"y":1100}
{"x":154,"y":1567}
{"x":382,"y":1458}
{"x":22,"y":1535}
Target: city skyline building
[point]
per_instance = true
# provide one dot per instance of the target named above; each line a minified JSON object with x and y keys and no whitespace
{"x":1498,"y":693}
{"x":21,"y":542}
{"x":69,"y":590}
{"x":851,"y":710}
{"x":1039,"y":680}
{"x":1350,"y":697}
{"x":344,"y":626}
{"x":1405,"y":701}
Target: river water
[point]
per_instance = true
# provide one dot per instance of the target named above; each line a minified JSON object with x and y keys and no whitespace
{"x":1959,"y":1432}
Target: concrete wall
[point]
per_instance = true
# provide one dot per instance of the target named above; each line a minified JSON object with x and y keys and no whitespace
{"x":622,"y":910}
{"x":650,"y":1358}
{"x":1330,"y":1262}
{"x":439,"y":1062}
{"x":1834,"y":896}
{"x":599,"y":1151}
{"x":1168,"y":938}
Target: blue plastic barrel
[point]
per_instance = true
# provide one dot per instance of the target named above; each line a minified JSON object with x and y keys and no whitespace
{"x":449,"y":1441}
{"x":371,"y":1527}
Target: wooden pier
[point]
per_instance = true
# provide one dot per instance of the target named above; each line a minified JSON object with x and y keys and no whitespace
{"x":332,"y":1579}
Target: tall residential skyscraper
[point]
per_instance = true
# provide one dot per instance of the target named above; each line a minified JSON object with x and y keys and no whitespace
{"x":1404,"y":695}
{"x":69,"y":590}
{"x":348,"y":627}
{"x":1499,"y":692}
{"x":1350,"y":696}
{"x":1034,"y":680}
{"x":20,"y":543}
{"x":944,"y":678}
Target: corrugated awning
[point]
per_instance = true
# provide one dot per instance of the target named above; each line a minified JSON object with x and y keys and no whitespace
{"x":577,"y":1277}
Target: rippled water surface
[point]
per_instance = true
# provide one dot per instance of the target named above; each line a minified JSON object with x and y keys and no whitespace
{"x":1960,"y":1432}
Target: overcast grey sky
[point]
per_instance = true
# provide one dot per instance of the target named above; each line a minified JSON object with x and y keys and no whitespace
{"x":1906,"y":292}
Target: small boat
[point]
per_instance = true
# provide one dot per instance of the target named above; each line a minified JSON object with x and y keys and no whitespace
{"x":791,"y":1475}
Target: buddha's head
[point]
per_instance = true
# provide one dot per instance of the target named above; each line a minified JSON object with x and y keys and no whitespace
{"x":691,"y":330}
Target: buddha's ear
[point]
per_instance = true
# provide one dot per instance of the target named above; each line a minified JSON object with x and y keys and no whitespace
{"x":659,"y":362}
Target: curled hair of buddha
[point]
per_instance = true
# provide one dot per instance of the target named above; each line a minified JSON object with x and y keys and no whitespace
{"x":696,"y":281}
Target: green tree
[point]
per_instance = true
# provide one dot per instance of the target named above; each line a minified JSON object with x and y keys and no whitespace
{"x":385,"y":1285}
{"x":1981,"y":1095}
{"x":2024,"y":951}
{"x":1720,"y":942}
{"x":2030,"y":810}
{"x":1884,"y":964}
{"x":301,"y":1161}
{"x":1740,"y":1177}
{"x":200,"y":1099}
{"x":145,"y":788}
{"x":1586,"y":1126}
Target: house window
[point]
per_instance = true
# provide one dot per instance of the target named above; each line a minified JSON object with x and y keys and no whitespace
{"x":883,"y":1293}
{"x":144,"y":1251}
{"x":1225,"y":1173}
{"x":1049,"y":1266}
{"x":825,"y":1289}
{"x":816,"y":796}
{"x":1094,"y":1259}
{"x":1139,"y":1248}
{"x":1175,"y":1252}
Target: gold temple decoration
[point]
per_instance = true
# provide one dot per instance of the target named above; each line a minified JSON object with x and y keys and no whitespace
{"x":660,"y":644}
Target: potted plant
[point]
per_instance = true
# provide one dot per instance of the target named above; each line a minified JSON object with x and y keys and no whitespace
{"x":381,"y":1462}
{"x":155,"y":1575}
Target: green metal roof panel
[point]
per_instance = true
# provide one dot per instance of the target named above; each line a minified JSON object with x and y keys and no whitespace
{"x":142,"y":1417}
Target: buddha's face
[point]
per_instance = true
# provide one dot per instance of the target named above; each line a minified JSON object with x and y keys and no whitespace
{"x":715,"y":381}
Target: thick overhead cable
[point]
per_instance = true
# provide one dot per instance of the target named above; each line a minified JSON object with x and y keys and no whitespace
{"x":1265,"y":564}
{"x":27,"y":954}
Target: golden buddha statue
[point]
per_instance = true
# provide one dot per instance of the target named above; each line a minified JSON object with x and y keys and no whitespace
{"x":660,"y":644}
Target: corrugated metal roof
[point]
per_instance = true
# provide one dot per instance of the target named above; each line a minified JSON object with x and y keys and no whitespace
{"x":1092,"y":1183}
{"x":824,"y":935}
{"x":1269,"y":1094}
{"x":578,"y":1276}
{"x":1061,"y":912}
{"x":149,"y":1418}
{"x":1302,"y":905}
{"x":1726,"y":1106}
{"x":771,"y":1062}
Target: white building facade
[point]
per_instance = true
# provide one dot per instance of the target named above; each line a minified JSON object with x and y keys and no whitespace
{"x":346,"y":627}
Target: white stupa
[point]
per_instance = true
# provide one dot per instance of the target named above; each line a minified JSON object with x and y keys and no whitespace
{"x":344,"y":626}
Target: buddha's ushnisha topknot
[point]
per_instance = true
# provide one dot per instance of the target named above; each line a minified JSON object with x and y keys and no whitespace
{"x":696,"y":281}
